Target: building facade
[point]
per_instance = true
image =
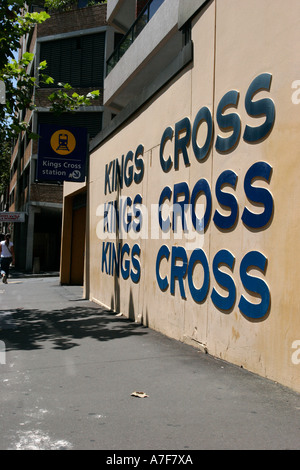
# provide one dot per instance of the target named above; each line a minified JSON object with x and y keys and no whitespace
{"x":193,"y":217}
{"x":74,"y":45}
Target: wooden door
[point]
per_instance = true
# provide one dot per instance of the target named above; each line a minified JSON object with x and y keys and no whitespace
{"x":78,"y":246}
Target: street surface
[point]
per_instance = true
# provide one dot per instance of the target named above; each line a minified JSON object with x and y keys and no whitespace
{"x":68,"y":369}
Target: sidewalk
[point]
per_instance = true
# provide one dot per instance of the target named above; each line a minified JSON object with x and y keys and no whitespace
{"x":71,"y":368}
{"x":16,"y":274}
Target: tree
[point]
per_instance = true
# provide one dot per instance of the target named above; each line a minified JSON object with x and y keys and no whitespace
{"x":64,"y":5}
{"x":15,"y":22}
{"x":5,"y":152}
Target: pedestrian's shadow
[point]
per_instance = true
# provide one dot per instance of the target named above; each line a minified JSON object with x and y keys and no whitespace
{"x":29,"y":329}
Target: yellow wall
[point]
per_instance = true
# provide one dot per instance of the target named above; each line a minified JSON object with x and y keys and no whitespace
{"x":234,"y":42}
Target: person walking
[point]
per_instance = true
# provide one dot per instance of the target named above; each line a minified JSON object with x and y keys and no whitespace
{"x":7,"y":255}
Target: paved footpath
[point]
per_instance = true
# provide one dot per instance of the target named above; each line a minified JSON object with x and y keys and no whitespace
{"x":68,"y":370}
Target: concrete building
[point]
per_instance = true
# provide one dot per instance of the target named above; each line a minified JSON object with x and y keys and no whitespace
{"x":193,"y":216}
{"x":74,"y":44}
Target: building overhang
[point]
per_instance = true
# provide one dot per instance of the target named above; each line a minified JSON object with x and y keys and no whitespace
{"x":158,"y":44}
{"x":121,"y":14}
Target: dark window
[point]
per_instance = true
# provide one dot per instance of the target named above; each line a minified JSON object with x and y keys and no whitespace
{"x":117,"y":38}
{"x":82,"y":3}
{"x":77,"y":60}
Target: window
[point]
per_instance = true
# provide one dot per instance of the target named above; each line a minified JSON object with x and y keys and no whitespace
{"x":12,"y":197}
{"x":78,"y":60}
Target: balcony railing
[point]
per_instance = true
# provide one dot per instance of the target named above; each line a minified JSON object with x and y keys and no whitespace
{"x":131,"y":35}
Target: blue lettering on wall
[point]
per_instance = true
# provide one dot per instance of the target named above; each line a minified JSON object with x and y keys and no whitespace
{"x":164,"y":252}
{"x":166,"y":164}
{"x":259,"y":108}
{"x":139,"y":164}
{"x":181,"y":267}
{"x":135,"y":272}
{"x":118,"y":259}
{"x":178,"y":272}
{"x":258,"y":195}
{"x":180,"y":205}
{"x":201,"y":186}
{"x":228,"y":122}
{"x":126,"y":170}
{"x":182,"y":139}
{"x":224,"y":257}
{"x":180,"y":264}
{"x":228,"y":177}
{"x":198,"y":257}
{"x":254,"y":260}
{"x":166,"y":194}
{"x":204,"y":115}
{"x":123,"y":215}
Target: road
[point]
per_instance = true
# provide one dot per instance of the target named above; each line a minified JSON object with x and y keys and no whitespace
{"x":69,"y":368}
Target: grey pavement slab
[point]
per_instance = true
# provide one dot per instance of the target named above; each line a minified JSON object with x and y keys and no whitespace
{"x":68,"y":368}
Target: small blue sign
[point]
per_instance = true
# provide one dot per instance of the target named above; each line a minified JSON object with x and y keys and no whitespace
{"x":62,"y":153}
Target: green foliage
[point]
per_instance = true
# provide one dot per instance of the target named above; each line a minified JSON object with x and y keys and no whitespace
{"x":95,"y":2}
{"x":62,"y":100}
{"x":60,"y":5}
{"x":65,"y":5}
{"x":19,"y":82}
{"x":5,"y":152}
{"x":15,"y":22}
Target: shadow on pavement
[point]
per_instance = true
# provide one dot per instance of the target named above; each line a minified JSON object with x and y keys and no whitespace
{"x":28,"y":329}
